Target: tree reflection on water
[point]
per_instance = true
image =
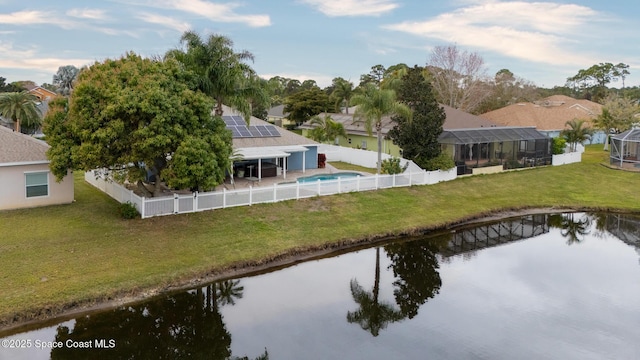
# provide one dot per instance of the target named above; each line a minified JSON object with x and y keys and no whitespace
{"x":186,"y":325}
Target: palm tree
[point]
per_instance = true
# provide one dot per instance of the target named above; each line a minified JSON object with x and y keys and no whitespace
{"x":373,"y":105}
{"x":327,"y":129}
{"x":20,"y":107}
{"x":576,"y":133}
{"x":607,"y":123}
{"x":64,"y":79}
{"x":344,"y":91}
{"x":372,"y":314}
{"x":221,"y":72}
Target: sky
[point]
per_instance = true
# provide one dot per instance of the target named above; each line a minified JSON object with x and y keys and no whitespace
{"x":544,"y":42}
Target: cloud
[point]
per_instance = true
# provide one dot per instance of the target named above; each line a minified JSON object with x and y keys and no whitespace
{"x":32,"y":17}
{"x":90,"y":14}
{"x":215,"y":12}
{"x":28,"y":59}
{"x":165,"y":21}
{"x":352,"y":7}
{"x":537,"y":31}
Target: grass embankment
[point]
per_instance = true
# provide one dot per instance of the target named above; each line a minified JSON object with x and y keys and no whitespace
{"x":67,"y":256}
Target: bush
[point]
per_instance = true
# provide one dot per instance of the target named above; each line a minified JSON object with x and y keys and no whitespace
{"x":392,"y":166}
{"x":440,"y":162}
{"x":128,"y":211}
{"x":558,"y":145}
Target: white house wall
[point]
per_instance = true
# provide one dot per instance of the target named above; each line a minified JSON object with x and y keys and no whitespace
{"x":13,"y":188}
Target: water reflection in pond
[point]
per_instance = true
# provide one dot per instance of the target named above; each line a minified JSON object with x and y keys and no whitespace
{"x":561,"y":286}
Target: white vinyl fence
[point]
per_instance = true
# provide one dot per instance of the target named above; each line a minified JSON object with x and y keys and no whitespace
{"x":566,"y":158}
{"x":179,"y":204}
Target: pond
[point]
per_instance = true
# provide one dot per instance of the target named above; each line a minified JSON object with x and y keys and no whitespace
{"x":558,"y":286}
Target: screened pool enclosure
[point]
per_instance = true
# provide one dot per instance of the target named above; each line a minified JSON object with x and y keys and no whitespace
{"x":511,"y":147}
{"x":625,"y":151}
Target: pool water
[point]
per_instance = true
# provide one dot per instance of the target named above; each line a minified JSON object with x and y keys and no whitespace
{"x":325,"y":177}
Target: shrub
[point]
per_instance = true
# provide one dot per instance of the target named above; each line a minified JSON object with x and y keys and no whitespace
{"x":128,"y":211}
{"x":392,"y":166}
{"x":558,"y":145}
{"x":440,"y":162}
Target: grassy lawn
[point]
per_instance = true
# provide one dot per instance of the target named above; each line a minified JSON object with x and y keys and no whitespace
{"x":350,"y":167}
{"x":64,"y":256}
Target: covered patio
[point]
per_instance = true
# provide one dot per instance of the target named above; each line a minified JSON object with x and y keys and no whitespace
{"x":625,"y":151}
{"x":509,"y":147}
{"x":271,"y":161}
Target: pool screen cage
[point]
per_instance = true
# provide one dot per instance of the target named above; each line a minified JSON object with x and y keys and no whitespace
{"x":625,"y":149}
{"x":511,"y":147}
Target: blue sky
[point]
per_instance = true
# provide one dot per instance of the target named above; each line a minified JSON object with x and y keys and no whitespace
{"x":543,"y":42}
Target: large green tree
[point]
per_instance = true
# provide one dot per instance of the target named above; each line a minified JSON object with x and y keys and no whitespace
{"x":418,"y":136}
{"x":222,"y":73}
{"x":137,"y":116}
{"x":20,"y":107}
{"x":305,"y":104}
{"x":374,"y":104}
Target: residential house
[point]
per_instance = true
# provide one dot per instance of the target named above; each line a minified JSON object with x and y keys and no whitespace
{"x":268,"y":150}
{"x":25,"y":178}
{"x":276,"y":116}
{"x":41,"y":93}
{"x":472,"y":141}
{"x":549,"y":115}
{"x":358,"y":137}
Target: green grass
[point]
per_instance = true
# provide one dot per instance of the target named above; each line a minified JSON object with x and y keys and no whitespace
{"x":72,"y":255}
{"x":350,"y":167}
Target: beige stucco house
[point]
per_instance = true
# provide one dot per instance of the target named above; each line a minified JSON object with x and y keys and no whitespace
{"x":25,"y":178}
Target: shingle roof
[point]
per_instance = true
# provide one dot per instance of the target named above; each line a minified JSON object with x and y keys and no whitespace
{"x":455,"y":119}
{"x":549,"y":114}
{"x":16,"y":147}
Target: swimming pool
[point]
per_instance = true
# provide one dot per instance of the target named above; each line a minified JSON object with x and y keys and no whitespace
{"x":323,"y":177}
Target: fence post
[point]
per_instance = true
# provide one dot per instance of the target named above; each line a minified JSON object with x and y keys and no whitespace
{"x":176,"y":204}
{"x":143,"y":207}
{"x":339,"y":190}
{"x":376,"y":181}
{"x":250,"y":194}
{"x":297,"y":190}
{"x":393,"y":182}
{"x":195,"y":201}
{"x":358,"y":183}
{"x":224,"y":197}
{"x":275,"y":197}
{"x":318,"y":187}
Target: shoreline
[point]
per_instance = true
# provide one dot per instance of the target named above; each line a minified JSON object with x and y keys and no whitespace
{"x":33,"y":319}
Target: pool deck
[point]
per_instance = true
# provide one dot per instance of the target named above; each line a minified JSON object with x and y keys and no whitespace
{"x":242,"y":183}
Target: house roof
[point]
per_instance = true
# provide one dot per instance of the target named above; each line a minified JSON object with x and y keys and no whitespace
{"x":276,"y":111}
{"x":286,"y":138}
{"x":489,"y":135}
{"x":548,"y":114}
{"x":19,"y":148}
{"x":455,"y":119}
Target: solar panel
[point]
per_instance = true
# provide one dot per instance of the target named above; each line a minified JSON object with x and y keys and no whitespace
{"x":239,"y":128}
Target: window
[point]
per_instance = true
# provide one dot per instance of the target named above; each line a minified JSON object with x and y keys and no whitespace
{"x":37,"y":184}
